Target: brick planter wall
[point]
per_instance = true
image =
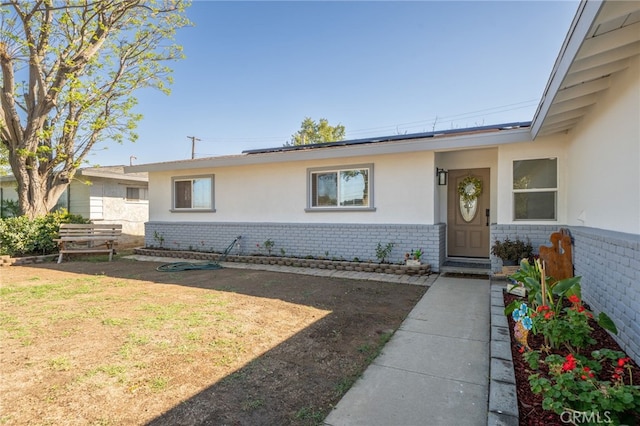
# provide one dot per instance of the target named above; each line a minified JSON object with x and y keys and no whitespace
{"x":338,"y":265}
{"x":28,"y":260}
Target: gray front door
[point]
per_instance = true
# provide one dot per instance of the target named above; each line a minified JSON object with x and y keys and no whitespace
{"x":467,"y":221}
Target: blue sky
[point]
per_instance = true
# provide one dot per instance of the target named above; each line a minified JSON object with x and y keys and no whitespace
{"x":254,"y":70}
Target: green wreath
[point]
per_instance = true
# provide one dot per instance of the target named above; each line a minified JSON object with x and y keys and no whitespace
{"x":464,"y":188}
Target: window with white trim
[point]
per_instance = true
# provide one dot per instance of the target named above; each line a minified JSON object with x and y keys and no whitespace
{"x":340,"y":188}
{"x":193,"y":193}
{"x":535,"y":189}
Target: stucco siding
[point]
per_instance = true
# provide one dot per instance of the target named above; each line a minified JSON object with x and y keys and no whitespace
{"x":114,"y":207}
{"x":603,"y":159}
{"x":402,"y":190}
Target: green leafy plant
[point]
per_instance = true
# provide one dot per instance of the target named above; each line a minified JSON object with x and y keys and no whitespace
{"x":561,"y":325}
{"x":21,"y":236}
{"x":382,"y":252}
{"x":414,"y":254}
{"x":576,"y":383}
{"x":269,"y":245}
{"x":510,"y":250}
{"x":159,"y":238}
{"x":569,"y":327}
{"x":530,"y":277}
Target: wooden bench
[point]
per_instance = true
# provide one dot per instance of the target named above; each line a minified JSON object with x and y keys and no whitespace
{"x":88,"y":238}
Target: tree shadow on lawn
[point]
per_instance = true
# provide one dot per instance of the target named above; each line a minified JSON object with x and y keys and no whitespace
{"x":300,"y":379}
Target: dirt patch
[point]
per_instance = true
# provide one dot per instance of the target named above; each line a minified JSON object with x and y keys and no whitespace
{"x":121,"y":343}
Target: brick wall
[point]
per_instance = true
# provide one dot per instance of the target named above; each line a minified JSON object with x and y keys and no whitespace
{"x":609,"y":263}
{"x":345,"y":241}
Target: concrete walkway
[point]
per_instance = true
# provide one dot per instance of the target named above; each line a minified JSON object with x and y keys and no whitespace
{"x":435,"y":368}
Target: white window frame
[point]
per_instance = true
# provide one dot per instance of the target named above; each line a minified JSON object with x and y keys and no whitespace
{"x":553,"y":190}
{"x":338,"y":169}
{"x":177,"y":179}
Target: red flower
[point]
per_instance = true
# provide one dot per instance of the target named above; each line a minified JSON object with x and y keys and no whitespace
{"x":589,"y":373}
{"x":574,"y":299}
{"x":548,"y":315}
{"x":543,"y":308}
{"x":569,"y":364}
{"x":623,"y":361}
{"x":581,"y":308}
{"x":615,"y":377}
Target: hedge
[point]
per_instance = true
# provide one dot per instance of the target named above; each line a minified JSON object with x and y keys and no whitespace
{"x":20,"y":236}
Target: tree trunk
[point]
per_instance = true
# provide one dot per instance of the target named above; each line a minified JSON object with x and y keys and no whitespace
{"x":36,"y":197}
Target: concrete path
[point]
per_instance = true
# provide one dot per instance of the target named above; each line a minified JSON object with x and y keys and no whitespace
{"x":435,"y":368}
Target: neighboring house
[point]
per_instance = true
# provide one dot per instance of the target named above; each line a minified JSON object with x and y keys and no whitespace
{"x":575,"y":166}
{"x":103,"y":195}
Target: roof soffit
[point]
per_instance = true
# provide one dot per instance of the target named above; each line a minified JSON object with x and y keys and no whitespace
{"x":602,"y":39}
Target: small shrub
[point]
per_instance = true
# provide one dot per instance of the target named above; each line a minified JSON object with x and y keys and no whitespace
{"x":20,"y":236}
{"x":509,"y":250}
{"x":382,"y":252}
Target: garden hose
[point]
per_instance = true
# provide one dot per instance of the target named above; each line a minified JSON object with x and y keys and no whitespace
{"x":188,"y":266}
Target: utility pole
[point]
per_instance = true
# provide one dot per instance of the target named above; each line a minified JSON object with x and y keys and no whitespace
{"x":193,"y":145}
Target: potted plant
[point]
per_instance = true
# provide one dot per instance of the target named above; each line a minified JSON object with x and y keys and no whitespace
{"x":413,"y":258}
{"x":512,"y":251}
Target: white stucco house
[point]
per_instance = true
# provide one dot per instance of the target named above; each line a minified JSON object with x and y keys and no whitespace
{"x":102,"y":195}
{"x":576,"y":165}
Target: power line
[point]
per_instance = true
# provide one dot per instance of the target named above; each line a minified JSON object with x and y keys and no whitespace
{"x":466,"y":115}
{"x":193,"y":145}
{"x":431,"y":122}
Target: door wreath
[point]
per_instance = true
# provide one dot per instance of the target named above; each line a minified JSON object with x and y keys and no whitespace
{"x":470,"y":188}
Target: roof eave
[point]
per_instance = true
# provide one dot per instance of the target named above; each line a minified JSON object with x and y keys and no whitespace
{"x":585,"y":16}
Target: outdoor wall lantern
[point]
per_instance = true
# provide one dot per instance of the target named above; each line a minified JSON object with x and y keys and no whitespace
{"x":442,"y":176}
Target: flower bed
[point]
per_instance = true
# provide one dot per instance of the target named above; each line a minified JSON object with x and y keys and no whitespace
{"x":340,"y":265}
{"x":568,"y":381}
